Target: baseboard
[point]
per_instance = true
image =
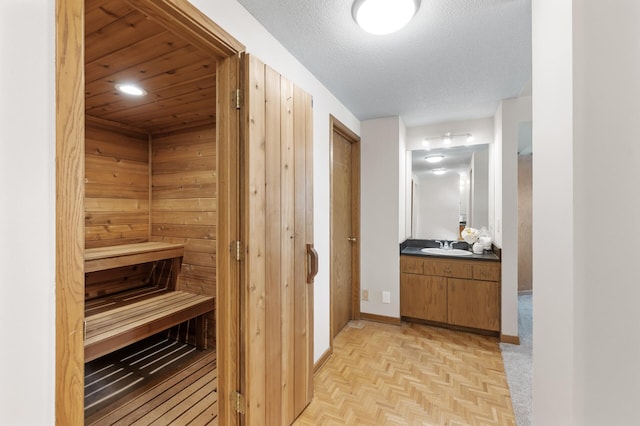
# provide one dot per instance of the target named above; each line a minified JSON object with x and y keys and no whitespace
{"x":323,"y":359}
{"x":380,"y":318}
{"x":505,"y":338}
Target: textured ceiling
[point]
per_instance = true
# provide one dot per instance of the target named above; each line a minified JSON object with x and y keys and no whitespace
{"x":455,"y":60}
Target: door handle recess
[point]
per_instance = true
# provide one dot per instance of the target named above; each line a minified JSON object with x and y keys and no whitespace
{"x":312,"y":263}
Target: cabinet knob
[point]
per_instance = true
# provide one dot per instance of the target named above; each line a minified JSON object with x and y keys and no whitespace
{"x":351,"y":239}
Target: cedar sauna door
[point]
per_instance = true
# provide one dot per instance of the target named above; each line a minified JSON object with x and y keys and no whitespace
{"x":280,"y":263}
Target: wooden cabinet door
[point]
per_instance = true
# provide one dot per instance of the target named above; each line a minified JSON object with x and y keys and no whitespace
{"x":474,"y":304}
{"x":278,"y":292}
{"x":423,"y":297}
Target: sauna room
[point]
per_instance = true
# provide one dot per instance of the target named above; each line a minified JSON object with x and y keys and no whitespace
{"x":150,"y":210}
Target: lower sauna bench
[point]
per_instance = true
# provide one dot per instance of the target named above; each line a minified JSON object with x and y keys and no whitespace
{"x":115,"y":320}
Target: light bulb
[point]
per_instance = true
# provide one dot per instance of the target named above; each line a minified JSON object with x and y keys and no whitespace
{"x":131,"y":89}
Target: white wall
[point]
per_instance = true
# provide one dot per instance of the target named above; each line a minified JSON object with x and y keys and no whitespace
{"x":438,"y":206}
{"x":606,"y":196}
{"x":553,"y":212}
{"x":585,"y":174}
{"x":402,"y":181}
{"x":482,"y":130}
{"x":510,"y":113}
{"x":27,"y":221}
{"x":380,"y":252}
{"x":27,"y":211}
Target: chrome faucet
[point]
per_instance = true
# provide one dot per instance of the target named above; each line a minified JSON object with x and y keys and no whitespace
{"x":440,"y":242}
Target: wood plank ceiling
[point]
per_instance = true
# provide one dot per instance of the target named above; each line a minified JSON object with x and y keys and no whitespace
{"x":122,"y":45}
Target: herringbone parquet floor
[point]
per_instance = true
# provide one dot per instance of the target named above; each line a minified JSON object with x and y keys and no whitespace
{"x":382,"y":374}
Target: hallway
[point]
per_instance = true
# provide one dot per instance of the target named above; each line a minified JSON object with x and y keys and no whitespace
{"x":383,"y":374}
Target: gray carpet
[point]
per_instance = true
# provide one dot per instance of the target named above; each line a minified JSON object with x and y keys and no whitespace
{"x":518,"y":363}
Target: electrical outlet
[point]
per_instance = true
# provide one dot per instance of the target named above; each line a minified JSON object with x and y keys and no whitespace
{"x":365,"y":295}
{"x":386,"y":297}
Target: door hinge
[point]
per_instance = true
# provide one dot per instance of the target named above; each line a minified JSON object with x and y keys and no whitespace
{"x":239,"y":403}
{"x":237,"y":98}
{"x":236,"y":250}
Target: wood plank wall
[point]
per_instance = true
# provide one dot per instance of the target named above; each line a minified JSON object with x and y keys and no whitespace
{"x":184,"y":205}
{"x":116,"y":188}
{"x":278,"y":330}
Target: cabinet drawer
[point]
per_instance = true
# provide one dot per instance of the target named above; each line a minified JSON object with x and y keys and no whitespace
{"x":487,"y":272}
{"x":445,"y":268}
{"x":411,"y":265}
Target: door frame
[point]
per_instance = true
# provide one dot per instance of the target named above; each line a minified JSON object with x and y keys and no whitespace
{"x":336,"y":125}
{"x":187,"y":21}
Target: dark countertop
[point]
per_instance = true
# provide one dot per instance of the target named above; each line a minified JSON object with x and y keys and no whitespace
{"x":414,"y":247}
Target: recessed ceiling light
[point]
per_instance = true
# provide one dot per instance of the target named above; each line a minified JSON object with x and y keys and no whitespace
{"x":439,"y":171}
{"x":131,"y":89}
{"x":434,"y":158}
{"x":470,"y":138}
{"x":384,"y":16}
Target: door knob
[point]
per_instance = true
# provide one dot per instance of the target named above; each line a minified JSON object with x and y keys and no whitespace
{"x":352,"y":239}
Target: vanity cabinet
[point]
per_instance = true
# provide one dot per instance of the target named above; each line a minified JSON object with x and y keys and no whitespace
{"x":450,"y":291}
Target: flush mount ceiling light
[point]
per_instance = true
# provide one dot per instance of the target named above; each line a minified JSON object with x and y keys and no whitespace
{"x":383,"y":16}
{"x":130,"y":89}
{"x":447,"y":138}
{"x":439,"y":171}
{"x":434,"y":158}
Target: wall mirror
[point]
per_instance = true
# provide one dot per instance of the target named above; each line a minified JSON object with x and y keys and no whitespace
{"x":450,"y":190}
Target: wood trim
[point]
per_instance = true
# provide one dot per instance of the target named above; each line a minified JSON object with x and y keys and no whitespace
{"x":188,"y":22}
{"x":505,"y":338}
{"x":322,"y":360}
{"x":380,"y":318}
{"x":69,"y":386}
{"x":181,"y":17}
{"x":355,"y":228}
{"x":229,"y":280}
{"x":337,"y":126}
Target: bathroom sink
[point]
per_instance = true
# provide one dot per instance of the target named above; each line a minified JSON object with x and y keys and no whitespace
{"x":443,"y":252}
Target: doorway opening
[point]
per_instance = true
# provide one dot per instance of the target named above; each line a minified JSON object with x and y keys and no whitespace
{"x":345,"y":226}
{"x":147,"y":206}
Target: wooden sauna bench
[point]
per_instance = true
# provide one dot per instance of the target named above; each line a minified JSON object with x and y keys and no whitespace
{"x":119,"y":319}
